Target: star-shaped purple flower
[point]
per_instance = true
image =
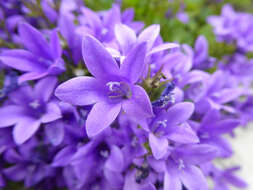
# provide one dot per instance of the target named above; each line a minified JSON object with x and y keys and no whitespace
{"x":112,"y":88}
{"x":29,"y":108}
{"x":40,"y":59}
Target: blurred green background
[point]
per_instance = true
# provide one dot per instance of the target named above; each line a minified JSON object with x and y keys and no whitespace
{"x":156,"y":11}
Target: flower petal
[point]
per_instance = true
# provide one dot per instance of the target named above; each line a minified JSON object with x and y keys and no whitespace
{"x":55,"y":44}
{"x":139,"y":106}
{"x":183,"y":134}
{"x":55,"y":132}
{"x":148,"y":186}
{"x":45,"y":87}
{"x":66,"y":26}
{"x":171,"y":181}
{"x":100,"y":117}
{"x":133,"y":65}
{"x":25,"y":129}
{"x":49,"y":11}
{"x":97,"y":59}
{"x":80,"y":91}
{"x":31,"y":76}
{"x":149,"y":35}
{"x":225,"y":126}
{"x":162,"y":47}
{"x":21,"y":60}
{"x":53,"y":113}
{"x":201,"y":49}
{"x":196,"y":153}
{"x":10,"y":115}
{"x":92,"y":19}
{"x":179,"y":113}
{"x":226,"y":95}
{"x":34,"y":41}
{"x":125,"y":36}
{"x":63,"y":157}
{"x":15,"y":173}
{"x":12,"y":156}
{"x":115,"y":162}
{"x":193,"y":178}
{"x":159,"y":146}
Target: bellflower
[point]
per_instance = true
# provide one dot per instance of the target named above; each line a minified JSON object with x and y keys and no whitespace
{"x":29,"y":163}
{"x":111,"y":89}
{"x":127,"y":38}
{"x":224,"y":178}
{"x":40,"y":60}
{"x":182,"y":170}
{"x":211,"y":132}
{"x":171,"y":125}
{"x":101,"y":25}
{"x":67,"y":129}
{"x":234,"y":26}
{"x":143,"y":113}
{"x":29,"y":108}
{"x":201,"y":59}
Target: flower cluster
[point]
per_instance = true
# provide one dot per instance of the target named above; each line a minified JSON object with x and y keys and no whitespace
{"x":234,"y":27}
{"x":93,"y":100}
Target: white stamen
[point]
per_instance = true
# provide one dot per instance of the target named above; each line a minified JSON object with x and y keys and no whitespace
{"x":112,"y":84}
{"x":134,"y":141}
{"x":104,"y":31}
{"x":173,"y":99}
{"x":35,"y":104}
{"x":163,"y":123}
{"x":104,"y":153}
{"x":181,"y":165}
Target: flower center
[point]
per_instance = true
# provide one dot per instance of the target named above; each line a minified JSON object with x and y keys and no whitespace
{"x":35,"y":104}
{"x":162,"y":123}
{"x":142,"y":173}
{"x":36,"y":108}
{"x":118,"y":90}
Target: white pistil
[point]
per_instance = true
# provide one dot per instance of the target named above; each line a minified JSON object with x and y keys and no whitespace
{"x":35,"y":104}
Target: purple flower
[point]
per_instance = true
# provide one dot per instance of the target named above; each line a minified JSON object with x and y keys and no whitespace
{"x":29,"y":108}
{"x":227,"y":177}
{"x":127,"y":39}
{"x":182,"y":170}
{"x":171,"y":125}
{"x":183,"y":17}
{"x":233,"y":26}
{"x":30,"y":163}
{"x":68,"y":129}
{"x":40,"y":60}
{"x":100,"y":25}
{"x":111,"y":88}
{"x":201,"y":59}
{"x":10,"y":84}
